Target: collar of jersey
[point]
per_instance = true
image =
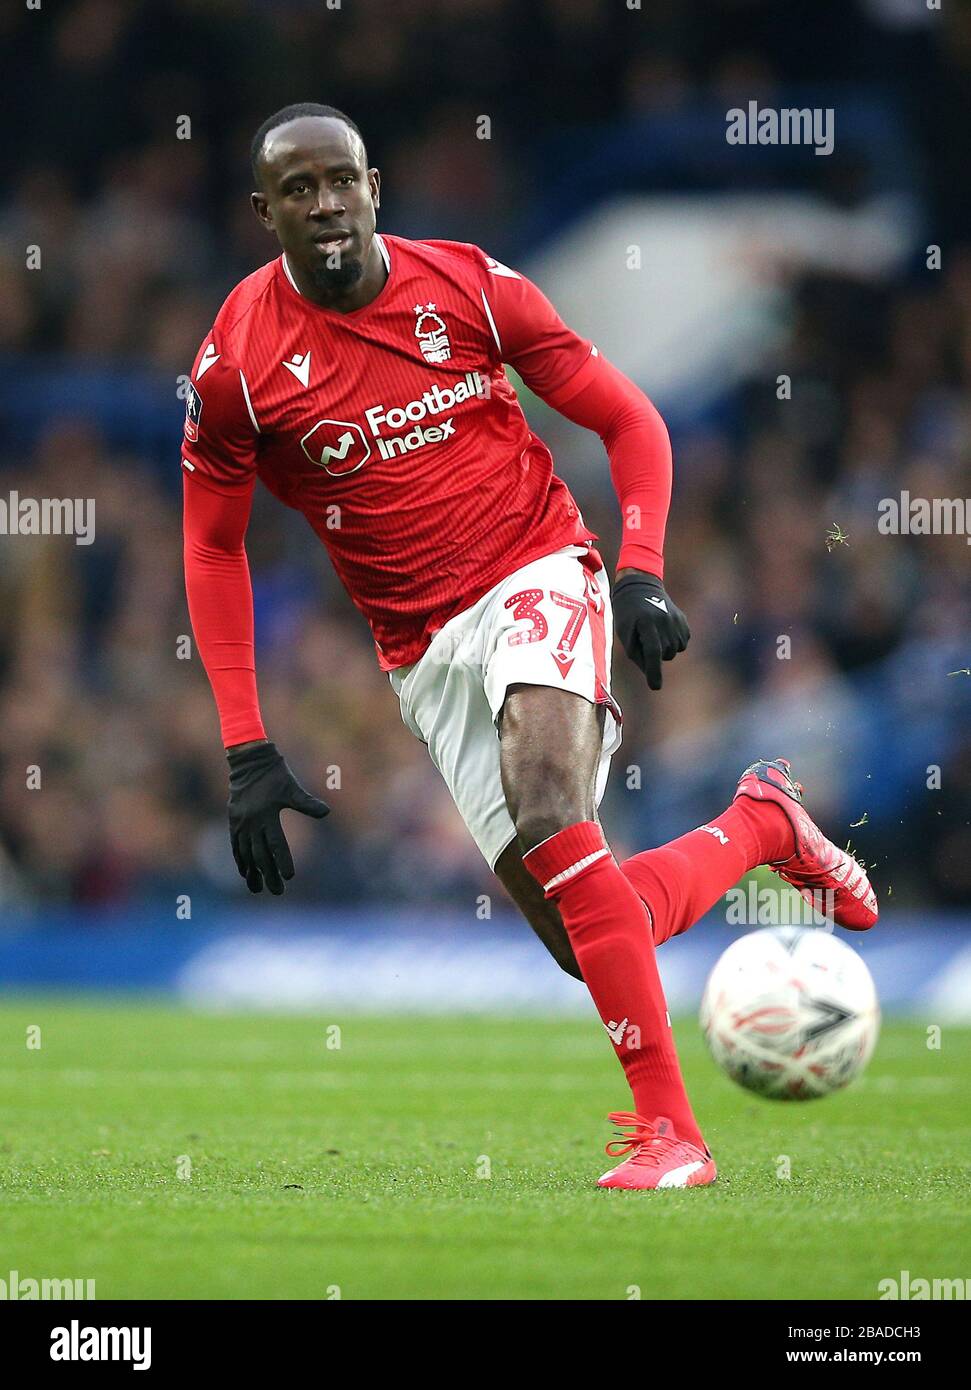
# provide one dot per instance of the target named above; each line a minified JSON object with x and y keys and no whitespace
{"x":353,"y":313}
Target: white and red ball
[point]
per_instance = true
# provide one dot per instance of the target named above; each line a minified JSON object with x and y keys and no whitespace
{"x":790,"y":1013}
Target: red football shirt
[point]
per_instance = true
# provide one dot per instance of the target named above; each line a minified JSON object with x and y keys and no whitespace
{"x":395,"y":431}
{"x":394,"y":428}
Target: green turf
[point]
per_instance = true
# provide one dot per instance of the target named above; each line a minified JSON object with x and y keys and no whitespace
{"x":315,"y":1167}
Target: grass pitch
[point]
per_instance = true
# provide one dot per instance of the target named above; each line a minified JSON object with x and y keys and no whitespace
{"x":171,"y":1154}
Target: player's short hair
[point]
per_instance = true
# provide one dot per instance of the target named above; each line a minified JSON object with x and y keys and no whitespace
{"x":293,"y":113}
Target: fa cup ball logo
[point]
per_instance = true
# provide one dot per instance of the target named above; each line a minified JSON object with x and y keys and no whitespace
{"x":432,"y":334}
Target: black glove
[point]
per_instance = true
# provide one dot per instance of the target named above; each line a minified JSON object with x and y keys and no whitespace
{"x":260,"y":785}
{"x":651,"y":628}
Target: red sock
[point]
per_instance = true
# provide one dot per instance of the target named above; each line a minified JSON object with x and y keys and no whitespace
{"x":610,"y":932}
{"x":680,"y":881}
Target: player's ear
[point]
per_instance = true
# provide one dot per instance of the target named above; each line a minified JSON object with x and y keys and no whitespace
{"x":374,"y":183}
{"x":262,"y":210}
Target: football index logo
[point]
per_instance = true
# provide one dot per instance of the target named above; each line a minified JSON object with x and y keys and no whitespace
{"x":340,"y":446}
{"x":432,"y":334}
{"x":434,"y":401}
{"x":336,"y":446}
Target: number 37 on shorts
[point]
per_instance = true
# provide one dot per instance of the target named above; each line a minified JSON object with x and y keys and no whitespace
{"x":554,"y":628}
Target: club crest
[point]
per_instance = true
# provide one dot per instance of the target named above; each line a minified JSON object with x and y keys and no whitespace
{"x":432,"y":334}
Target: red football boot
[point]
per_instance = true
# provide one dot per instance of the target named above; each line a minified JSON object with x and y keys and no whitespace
{"x":659,"y":1158}
{"x":830,"y":879}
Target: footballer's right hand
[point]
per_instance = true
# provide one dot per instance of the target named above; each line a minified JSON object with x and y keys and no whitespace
{"x":260,"y":787}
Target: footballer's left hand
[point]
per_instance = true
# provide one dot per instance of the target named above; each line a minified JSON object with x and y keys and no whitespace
{"x":650,"y":626}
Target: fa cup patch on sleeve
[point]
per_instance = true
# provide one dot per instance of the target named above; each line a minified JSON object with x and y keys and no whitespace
{"x":193,"y":414}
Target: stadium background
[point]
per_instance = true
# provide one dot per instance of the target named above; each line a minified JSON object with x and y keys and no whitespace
{"x":606,"y":141}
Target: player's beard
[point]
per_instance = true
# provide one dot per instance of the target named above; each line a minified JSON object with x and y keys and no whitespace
{"x":335,"y":279}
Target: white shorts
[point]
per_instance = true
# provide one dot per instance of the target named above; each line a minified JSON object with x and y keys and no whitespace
{"x":548,"y":623}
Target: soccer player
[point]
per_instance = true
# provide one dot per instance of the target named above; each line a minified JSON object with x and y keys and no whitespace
{"x":360,"y":376}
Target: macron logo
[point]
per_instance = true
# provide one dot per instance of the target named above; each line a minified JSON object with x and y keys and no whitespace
{"x":497,"y":268}
{"x":206,"y":360}
{"x":659,"y":603}
{"x":616,"y":1031}
{"x":299,"y":365}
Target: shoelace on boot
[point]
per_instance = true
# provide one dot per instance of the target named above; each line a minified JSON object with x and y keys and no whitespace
{"x":649,"y":1147}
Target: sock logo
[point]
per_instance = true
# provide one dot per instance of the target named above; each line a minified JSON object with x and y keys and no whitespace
{"x":719,"y":835}
{"x":616,"y":1031}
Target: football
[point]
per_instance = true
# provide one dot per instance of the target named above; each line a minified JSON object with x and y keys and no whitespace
{"x":790,"y":1013}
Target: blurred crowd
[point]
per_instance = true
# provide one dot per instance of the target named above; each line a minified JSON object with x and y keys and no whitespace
{"x":112,"y":781}
{"x":144,"y":221}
